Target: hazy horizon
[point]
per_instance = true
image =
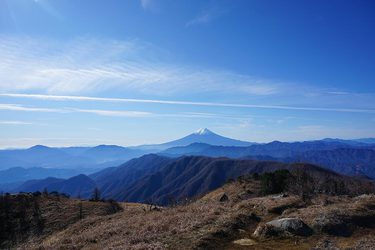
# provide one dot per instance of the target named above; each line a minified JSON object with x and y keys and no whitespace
{"x":161,"y":142}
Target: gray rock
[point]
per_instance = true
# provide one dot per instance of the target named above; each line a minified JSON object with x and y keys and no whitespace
{"x":279,"y":196}
{"x":283,"y":227}
{"x":331,"y":224}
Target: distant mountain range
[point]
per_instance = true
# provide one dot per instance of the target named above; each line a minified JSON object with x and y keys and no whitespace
{"x":131,"y":173}
{"x":354,"y":141}
{"x":87,"y":159}
{"x":13,"y":177}
{"x":77,"y":186}
{"x":358,"y":159}
{"x":82,"y":159}
{"x":159,"y":179}
{"x":18,"y":174}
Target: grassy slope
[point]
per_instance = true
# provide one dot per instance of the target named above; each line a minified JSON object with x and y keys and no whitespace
{"x":32,"y":217}
{"x":210,"y":224}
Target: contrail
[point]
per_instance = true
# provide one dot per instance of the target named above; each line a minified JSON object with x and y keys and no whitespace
{"x":210,"y":104}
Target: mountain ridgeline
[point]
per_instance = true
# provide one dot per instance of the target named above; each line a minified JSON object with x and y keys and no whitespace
{"x":90,"y":159}
{"x":83,"y":159}
{"x":159,"y":179}
{"x":345,"y":158}
{"x":184,"y":168}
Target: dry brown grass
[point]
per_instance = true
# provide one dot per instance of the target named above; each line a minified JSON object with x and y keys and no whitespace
{"x":185,"y":226}
{"x":36,"y":217}
{"x":136,"y":229}
{"x":208,"y":223}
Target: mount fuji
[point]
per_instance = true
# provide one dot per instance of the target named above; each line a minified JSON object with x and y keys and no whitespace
{"x":202,"y":135}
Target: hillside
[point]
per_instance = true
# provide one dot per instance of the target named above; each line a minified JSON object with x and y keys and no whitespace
{"x":331,"y":154}
{"x":77,"y":186}
{"x":27,"y":216}
{"x":112,"y":180}
{"x":350,"y":161}
{"x":235,"y":216}
{"x":12,"y":177}
{"x":159,"y":179}
{"x":193,"y":176}
{"x":189,"y":176}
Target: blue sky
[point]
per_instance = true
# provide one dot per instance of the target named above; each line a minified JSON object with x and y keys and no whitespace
{"x":146,"y":71}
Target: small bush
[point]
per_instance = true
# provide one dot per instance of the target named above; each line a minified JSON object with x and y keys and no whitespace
{"x":275,"y":182}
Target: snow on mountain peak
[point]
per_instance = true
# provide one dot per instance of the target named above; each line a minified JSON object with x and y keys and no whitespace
{"x":203,"y":131}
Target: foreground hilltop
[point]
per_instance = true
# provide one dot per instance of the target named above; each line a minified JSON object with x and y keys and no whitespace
{"x":37,"y":215}
{"x":243,"y":214}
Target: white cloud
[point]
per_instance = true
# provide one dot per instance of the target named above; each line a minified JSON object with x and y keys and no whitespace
{"x":17,"y":107}
{"x":15,"y":123}
{"x":93,"y":67}
{"x":174,"y":102}
{"x":338,"y":93}
{"x":114,"y":112}
{"x":87,"y":66}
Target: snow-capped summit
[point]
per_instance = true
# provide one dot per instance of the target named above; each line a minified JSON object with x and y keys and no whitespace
{"x":202,"y":135}
{"x":203,"y":131}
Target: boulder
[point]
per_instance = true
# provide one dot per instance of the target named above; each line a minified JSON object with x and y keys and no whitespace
{"x":331,"y":224}
{"x":283,"y":227}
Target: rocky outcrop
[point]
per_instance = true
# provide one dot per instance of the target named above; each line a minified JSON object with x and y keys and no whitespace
{"x":331,"y":224}
{"x":283,"y":227}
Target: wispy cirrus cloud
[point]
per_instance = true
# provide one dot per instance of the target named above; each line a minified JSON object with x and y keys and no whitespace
{"x":123,"y":113}
{"x":91,"y":66}
{"x":207,"y":15}
{"x":203,"y":18}
{"x":17,"y":107}
{"x":15,"y":123}
{"x":114,"y":112}
{"x":110,"y":113}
